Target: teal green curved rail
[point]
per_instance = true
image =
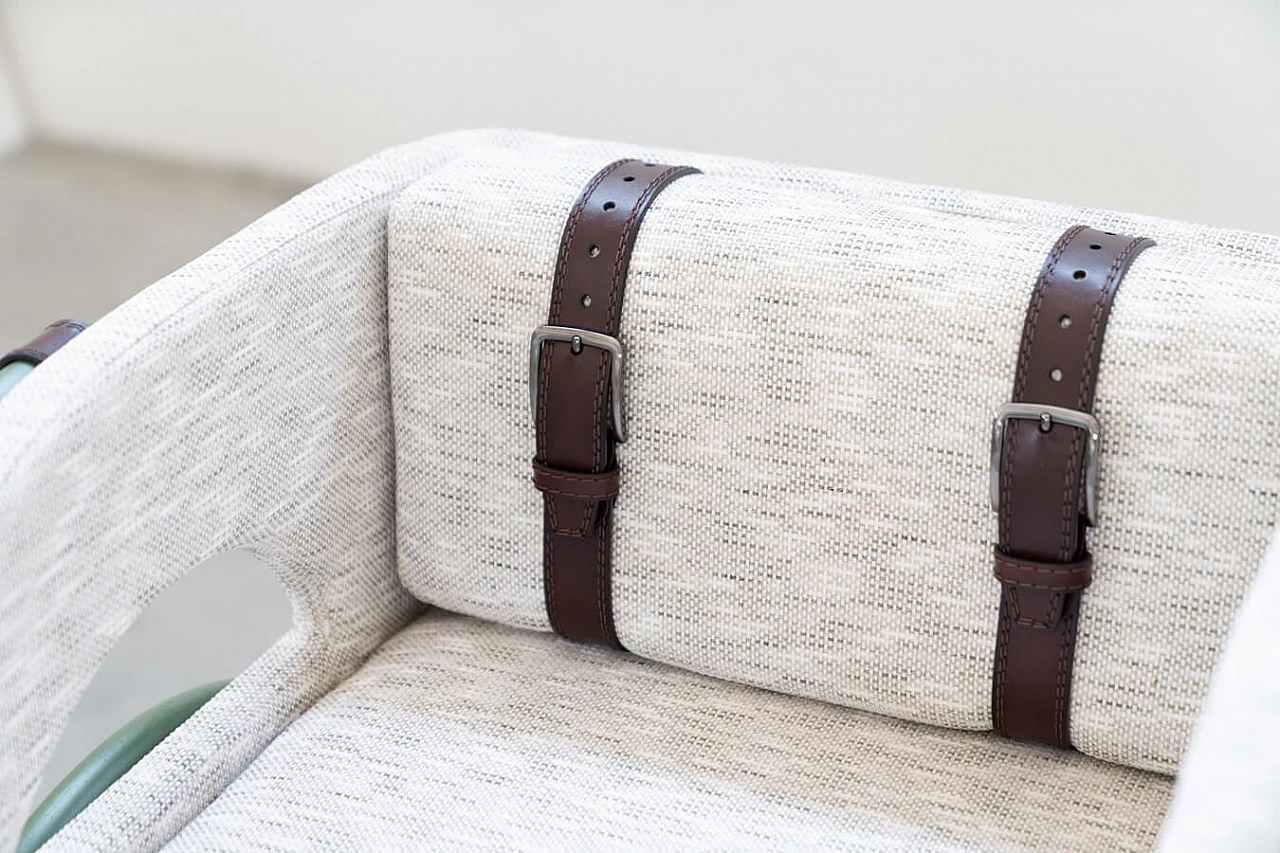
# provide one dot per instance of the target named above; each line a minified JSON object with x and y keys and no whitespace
{"x":12,"y":374}
{"x":109,"y":762}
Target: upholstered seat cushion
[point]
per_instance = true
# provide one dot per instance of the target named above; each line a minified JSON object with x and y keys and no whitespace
{"x":463,"y":734}
{"x":812,"y":367}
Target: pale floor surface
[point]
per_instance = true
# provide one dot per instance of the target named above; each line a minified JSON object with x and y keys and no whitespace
{"x":80,"y":232}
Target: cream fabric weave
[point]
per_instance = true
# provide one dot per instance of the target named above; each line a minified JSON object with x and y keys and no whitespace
{"x":465,"y":735}
{"x":811,"y":375}
{"x":241,"y":403}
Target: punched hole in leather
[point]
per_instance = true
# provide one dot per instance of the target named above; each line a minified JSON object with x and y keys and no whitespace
{"x":575,"y":369}
{"x":1045,"y":448}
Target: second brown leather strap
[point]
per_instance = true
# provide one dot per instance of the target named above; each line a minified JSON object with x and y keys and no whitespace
{"x":575,"y":376}
{"x":1044,"y":481}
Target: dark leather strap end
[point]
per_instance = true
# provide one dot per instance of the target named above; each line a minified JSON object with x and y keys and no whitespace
{"x":53,"y":338}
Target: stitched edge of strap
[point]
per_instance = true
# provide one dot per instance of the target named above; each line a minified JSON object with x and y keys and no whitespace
{"x":596,"y":506}
{"x":1064,"y":591}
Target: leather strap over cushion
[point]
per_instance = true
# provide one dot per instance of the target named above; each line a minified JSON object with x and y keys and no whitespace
{"x":575,"y":356}
{"x":812,"y":360}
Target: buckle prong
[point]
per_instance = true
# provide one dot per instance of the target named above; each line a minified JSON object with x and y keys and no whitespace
{"x":1049,"y":416}
{"x":577,"y":339}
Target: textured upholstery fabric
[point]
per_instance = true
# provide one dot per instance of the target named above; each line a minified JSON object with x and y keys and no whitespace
{"x":242,"y":402}
{"x":812,"y":368}
{"x":465,"y":735}
{"x":1229,"y":784}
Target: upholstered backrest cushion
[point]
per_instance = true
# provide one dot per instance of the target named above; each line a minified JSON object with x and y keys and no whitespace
{"x":812,"y":370}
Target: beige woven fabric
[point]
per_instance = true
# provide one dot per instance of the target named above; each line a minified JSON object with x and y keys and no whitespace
{"x":1229,"y":785}
{"x":464,"y":735}
{"x":242,"y":402}
{"x":812,"y":372}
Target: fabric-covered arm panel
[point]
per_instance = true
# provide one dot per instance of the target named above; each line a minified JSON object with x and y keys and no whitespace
{"x":1229,"y":787}
{"x":242,"y":402}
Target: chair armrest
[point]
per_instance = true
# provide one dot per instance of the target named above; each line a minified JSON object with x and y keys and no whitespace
{"x":241,"y":403}
{"x":1228,"y":791}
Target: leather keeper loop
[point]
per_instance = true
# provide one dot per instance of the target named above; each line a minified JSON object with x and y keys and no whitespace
{"x":587,"y":487}
{"x":1055,"y":577}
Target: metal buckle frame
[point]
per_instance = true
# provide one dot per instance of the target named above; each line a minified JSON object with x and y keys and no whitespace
{"x":577,"y":338}
{"x":1048,"y":416}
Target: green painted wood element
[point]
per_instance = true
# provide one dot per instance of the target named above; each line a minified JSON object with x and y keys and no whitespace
{"x":12,"y":374}
{"x":109,"y":762}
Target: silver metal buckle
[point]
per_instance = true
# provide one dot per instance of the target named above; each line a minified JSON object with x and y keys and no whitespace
{"x":577,"y":339}
{"x":1048,"y":416}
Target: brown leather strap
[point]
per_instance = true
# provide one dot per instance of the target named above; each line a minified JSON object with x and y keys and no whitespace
{"x":53,"y":338}
{"x":576,"y":395}
{"x":1042,"y":486}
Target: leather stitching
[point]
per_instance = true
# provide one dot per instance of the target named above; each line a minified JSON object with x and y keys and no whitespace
{"x":548,"y":561}
{"x":1030,"y":622}
{"x":557,"y":299}
{"x":1070,"y":500}
{"x":1002,"y":661}
{"x":625,"y":238}
{"x":1033,"y":315}
{"x":575,"y":217}
{"x":1060,"y":694}
{"x":602,"y":580}
{"x":541,"y":474}
{"x":592,"y":503}
{"x":1027,"y":567}
{"x":1036,"y":570}
{"x":578,"y":532}
{"x":573,"y":478}
{"x":1099,"y":308}
{"x":1064,"y":599}
{"x":1046,"y":588}
{"x":1071,"y":476}
{"x":550,"y":524}
{"x":582,"y":496}
{"x":557,"y":294}
{"x":1024,"y":360}
{"x":1006,"y":479}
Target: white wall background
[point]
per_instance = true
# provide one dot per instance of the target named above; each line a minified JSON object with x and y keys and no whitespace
{"x":13,"y":124}
{"x":1165,"y":106}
